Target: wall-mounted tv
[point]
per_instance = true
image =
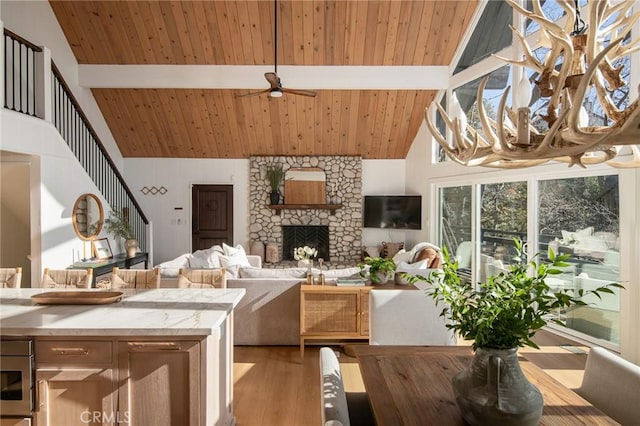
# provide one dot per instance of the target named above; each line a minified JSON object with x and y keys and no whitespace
{"x":393,"y":211}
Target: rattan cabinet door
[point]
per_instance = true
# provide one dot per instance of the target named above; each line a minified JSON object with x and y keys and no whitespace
{"x":331,"y":313}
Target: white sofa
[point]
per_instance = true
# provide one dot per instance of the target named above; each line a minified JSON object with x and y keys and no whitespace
{"x":269,"y":313}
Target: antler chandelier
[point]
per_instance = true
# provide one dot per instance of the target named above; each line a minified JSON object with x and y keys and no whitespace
{"x":580,"y":57}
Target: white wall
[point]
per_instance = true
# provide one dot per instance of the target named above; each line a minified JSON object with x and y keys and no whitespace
{"x":385,"y":177}
{"x":57,"y":179}
{"x":172,"y":228}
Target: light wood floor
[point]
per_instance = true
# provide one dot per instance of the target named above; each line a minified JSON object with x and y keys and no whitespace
{"x":273,"y":386}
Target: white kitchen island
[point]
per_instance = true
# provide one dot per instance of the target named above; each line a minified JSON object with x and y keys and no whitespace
{"x":157,"y":357}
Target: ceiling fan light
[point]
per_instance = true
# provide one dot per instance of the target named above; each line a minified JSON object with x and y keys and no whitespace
{"x":275,"y":93}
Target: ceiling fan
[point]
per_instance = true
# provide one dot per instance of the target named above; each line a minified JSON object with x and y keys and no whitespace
{"x":276,"y":90}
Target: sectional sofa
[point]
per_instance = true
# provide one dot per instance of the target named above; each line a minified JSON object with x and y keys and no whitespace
{"x":269,"y":313}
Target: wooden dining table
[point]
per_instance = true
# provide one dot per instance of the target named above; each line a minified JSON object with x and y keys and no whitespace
{"x":411,"y":385}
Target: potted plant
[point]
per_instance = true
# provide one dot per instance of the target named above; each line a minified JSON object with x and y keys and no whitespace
{"x":501,"y":315}
{"x":118,"y":226}
{"x":380,"y":269}
{"x":275,"y":174}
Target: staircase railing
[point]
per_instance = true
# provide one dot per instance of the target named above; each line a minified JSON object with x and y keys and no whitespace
{"x":73,"y":125}
{"x":19,"y":73}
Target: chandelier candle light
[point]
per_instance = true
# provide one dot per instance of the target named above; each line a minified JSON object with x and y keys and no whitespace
{"x":580,"y":58}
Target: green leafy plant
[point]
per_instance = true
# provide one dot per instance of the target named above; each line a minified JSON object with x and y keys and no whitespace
{"x":275,"y":174}
{"x":118,"y":226}
{"x":508,"y":309}
{"x":377,"y":264}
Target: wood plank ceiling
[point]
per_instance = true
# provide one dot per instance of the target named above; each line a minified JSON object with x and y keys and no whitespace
{"x":212,"y":123}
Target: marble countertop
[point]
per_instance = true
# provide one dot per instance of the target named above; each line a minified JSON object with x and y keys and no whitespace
{"x":153,"y":312}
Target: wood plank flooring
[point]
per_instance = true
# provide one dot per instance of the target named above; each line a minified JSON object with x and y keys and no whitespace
{"x":273,"y":386}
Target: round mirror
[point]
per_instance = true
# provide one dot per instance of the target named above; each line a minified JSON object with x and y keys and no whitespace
{"x":88,"y":216}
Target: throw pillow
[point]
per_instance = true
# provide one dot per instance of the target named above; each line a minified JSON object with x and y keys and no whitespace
{"x":234,"y":256}
{"x":390,"y":249}
{"x":402,"y":256}
{"x":415,"y":267}
{"x":208,"y":258}
{"x":232,"y":271}
{"x":371,"y":251}
{"x":429,"y":255}
{"x":230,"y":251}
{"x":240,"y":259}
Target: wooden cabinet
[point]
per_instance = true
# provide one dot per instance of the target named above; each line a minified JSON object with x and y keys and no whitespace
{"x":159,"y":382}
{"x":15,"y":422}
{"x":75,"y":383}
{"x":135,"y":381}
{"x":331,"y":312}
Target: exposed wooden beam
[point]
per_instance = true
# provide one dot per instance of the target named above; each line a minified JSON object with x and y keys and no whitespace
{"x":252,"y":77}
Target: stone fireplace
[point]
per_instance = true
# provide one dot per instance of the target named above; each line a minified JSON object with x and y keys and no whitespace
{"x":294,"y":236}
{"x":343,"y":224}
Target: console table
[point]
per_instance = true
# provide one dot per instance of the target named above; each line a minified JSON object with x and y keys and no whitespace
{"x":329,"y":312}
{"x":101,"y":267}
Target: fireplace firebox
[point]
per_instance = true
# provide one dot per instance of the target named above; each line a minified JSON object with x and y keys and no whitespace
{"x":299,"y":236}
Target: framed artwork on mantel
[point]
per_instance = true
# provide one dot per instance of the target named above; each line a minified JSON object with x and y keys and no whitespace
{"x":102,"y":249}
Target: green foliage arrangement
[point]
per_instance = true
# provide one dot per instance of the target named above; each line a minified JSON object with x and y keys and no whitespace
{"x":118,"y":226}
{"x":377,"y":264}
{"x":507,"y":310}
{"x":275,"y":174}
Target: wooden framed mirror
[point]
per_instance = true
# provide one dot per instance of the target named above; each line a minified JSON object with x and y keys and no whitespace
{"x":88,"y":217}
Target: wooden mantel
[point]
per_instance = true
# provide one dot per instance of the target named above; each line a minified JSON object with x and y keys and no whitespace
{"x":279,"y":207}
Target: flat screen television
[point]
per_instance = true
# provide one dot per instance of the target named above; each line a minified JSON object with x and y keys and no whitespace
{"x":393,"y":211}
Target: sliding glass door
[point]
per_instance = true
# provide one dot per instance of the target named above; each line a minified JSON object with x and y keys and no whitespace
{"x":580,"y":217}
{"x":577,"y":216}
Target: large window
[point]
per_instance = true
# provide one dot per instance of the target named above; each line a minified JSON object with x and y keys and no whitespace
{"x":455,"y":230}
{"x":580,"y":217}
{"x":503,"y":217}
{"x":576,"y":216}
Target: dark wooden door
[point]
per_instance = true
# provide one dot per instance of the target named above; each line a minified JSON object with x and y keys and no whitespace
{"x":212,"y":219}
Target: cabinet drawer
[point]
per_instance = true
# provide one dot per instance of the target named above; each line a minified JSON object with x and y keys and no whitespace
{"x":81,"y":351}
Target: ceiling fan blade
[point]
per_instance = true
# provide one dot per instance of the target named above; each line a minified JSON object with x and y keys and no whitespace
{"x":273,"y":79}
{"x":299,"y":92}
{"x":251,"y":94}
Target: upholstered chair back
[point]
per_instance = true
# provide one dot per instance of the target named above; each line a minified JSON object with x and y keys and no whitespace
{"x":202,"y":278}
{"x":612,"y":384}
{"x":67,"y":278}
{"x":135,"y":278}
{"x":10,"y":277}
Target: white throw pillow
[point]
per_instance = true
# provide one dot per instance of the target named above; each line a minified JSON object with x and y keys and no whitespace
{"x":208,"y":258}
{"x":181,"y":261}
{"x":234,"y":256}
{"x":239,"y":259}
{"x":232,"y":271}
{"x":415,"y":268}
{"x":402,"y":256}
{"x":230,"y":251}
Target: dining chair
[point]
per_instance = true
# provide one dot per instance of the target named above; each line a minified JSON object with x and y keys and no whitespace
{"x":340,"y":407}
{"x":406,"y":317}
{"x":67,"y":278}
{"x":612,"y":384}
{"x":202,"y":278}
{"x":10,"y":277}
{"x":135,"y":278}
